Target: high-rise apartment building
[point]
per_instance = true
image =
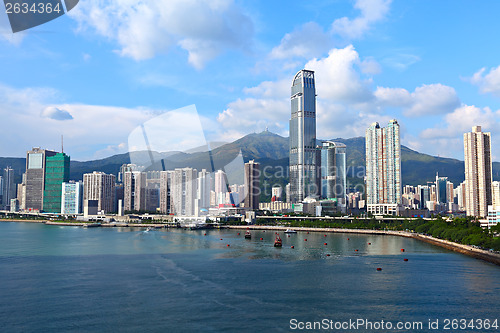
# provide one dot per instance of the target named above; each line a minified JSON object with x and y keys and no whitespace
{"x":165,"y":192}
{"x":383,"y":168}
{"x":183,"y":192}
{"x":252,"y":185}
{"x":134,"y":191}
{"x":72,"y":198}
{"x":220,"y":187}
{"x":8,"y":186}
{"x":478,"y":175}
{"x":304,"y":177}
{"x":333,"y":171}
{"x":100,"y":187}
{"x":56,"y":173}
{"x":35,"y":177}
{"x":203,"y":190}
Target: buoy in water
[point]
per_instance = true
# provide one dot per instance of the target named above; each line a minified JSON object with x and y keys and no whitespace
{"x":405,"y":259}
{"x":379,"y":269}
{"x":326,"y":243}
{"x":238,"y":233}
{"x":347,"y":238}
{"x":327,"y":255}
{"x":288,"y":235}
{"x":305,"y":239}
{"x":325,"y":235}
{"x":356,"y":250}
{"x":308,"y":232}
{"x":221,"y":239}
{"x":402,"y":250}
{"x":205,"y":234}
{"x":292,"y":247}
{"x":369,"y":243}
{"x":261,"y":238}
{"x":227,"y":244}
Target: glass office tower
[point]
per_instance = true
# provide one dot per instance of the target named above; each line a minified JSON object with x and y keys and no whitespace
{"x":304,"y":180}
{"x":333,"y":172}
{"x":56,"y":173}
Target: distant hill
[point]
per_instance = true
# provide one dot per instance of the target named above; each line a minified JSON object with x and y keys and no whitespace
{"x":271,"y":150}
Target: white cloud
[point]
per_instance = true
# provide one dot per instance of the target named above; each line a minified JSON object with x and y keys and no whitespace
{"x":337,"y":77}
{"x":308,"y":41}
{"x":54,"y":113}
{"x":146,"y":28}
{"x":342,"y":96}
{"x":93,"y":127}
{"x":489,"y":83}
{"x":428,"y":99}
{"x":447,"y":140}
{"x":372,"y":11}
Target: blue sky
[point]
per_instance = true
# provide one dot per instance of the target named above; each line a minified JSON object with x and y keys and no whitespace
{"x":96,"y":74}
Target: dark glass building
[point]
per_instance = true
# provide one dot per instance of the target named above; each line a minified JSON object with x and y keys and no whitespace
{"x":56,"y":173}
{"x":303,"y":172}
{"x":333,"y":172}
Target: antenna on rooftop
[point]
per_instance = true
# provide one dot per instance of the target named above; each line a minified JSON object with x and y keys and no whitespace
{"x":62,"y":144}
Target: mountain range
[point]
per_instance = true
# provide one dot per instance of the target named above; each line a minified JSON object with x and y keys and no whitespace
{"x":271,"y":151}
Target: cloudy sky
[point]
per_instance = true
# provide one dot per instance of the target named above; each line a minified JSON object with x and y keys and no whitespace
{"x":111,"y":65}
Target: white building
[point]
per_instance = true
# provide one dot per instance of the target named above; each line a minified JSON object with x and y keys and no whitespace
{"x":478,"y":175}
{"x":72,"y":198}
{"x":383,"y":168}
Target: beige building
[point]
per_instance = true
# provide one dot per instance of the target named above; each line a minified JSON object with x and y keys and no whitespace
{"x":252,"y":185}
{"x":183,"y":192}
{"x":134,"y":191}
{"x":100,"y":187}
{"x":478,"y":175}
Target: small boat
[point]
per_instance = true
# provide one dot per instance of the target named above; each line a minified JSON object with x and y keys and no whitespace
{"x":248,"y":234}
{"x":277,"y":241}
{"x":148,"y":229}
{"x":290,"y":231}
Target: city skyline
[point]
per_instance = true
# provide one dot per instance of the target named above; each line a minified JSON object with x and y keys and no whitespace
{"x":377,"y":60}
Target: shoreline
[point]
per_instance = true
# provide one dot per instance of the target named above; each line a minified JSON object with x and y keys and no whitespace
{"x":468,"y":250}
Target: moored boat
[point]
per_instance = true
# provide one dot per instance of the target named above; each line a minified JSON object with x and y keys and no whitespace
{"x":248,"y":234}
{"x":290,"y":231}
{"x":277,"y":241}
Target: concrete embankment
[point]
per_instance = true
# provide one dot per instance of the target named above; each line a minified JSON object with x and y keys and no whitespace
{"x":464,"y":249}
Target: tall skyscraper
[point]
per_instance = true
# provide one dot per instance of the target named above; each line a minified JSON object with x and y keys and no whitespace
{"x":478,"y":175}
{"x":56,"y":173}
{"x":134,"y":191}
{"x":72,"y":198}
{"x":333,"y":172}
{"x":183,"y":191}
{"x":35,"y":177}
{"x":303,"y":174}
{"x":252,"y":185}
{"x":383,"y":167}
{"x":9,"y":187}
{"x":100,"y":187}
